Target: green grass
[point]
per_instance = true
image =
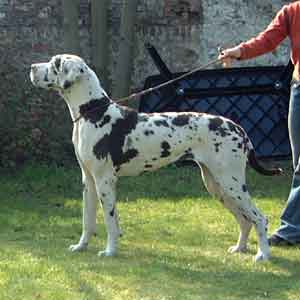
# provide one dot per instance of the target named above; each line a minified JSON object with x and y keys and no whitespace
{"x":174,"y":245}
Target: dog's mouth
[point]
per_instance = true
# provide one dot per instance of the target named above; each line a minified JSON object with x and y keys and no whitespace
{"x":36,"y":76}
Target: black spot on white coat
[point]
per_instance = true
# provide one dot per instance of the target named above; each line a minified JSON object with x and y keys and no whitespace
{"x":112,"y":212}
{"x":216,"y":125}
{"x":165,"y":147}
{"x":244,"y":188}
{"x":162,"y":123}
{"x":94,"y":110}
{"x":105,"y":121}
{"x":112,"y":143}
{"x":217,"y":146}
{"x":148,"y":132}
{"x":181,"y":120}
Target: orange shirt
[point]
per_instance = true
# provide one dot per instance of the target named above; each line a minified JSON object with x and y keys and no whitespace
{"x":285,"y":24}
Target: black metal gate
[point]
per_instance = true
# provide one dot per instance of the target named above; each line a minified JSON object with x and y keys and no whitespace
{"x":257,"y":98}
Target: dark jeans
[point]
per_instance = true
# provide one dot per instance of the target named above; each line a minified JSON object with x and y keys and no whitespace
{"x":290,"y":218}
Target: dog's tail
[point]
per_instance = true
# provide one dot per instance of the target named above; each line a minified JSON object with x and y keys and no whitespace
{"x":253,"y":162}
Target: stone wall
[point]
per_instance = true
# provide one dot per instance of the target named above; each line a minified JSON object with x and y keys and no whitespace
{"x":185,"y":32}
{"x":188,"y":33}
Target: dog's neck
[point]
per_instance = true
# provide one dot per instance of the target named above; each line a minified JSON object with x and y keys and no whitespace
{"x":83,"y":92}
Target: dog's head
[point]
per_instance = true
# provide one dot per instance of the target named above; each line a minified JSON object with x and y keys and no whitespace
{"x":60,"y":73}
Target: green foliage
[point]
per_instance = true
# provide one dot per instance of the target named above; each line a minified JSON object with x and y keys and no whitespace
{"x":173,"y":248}
{"x":34,"y":125}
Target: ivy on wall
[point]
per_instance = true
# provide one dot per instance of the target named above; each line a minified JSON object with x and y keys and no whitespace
{"x":34,"y":125}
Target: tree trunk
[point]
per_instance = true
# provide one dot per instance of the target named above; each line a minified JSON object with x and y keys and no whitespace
{"x":100,"y":43}
{"x":70,"y":26}
{"x":126,"y":51}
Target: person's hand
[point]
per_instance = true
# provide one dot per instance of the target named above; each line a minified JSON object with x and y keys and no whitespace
{"x":228,"y":55}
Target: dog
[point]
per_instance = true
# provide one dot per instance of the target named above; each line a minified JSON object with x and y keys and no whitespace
{"x":111,"y":141}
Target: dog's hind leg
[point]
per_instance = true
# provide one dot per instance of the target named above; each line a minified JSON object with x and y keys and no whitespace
{"x":89,"y":212}
{"x":209,"y":181}
{"x":106,"y":191}
{"x":237,"y":198}
{"x":261,"y":227}
{"x":245,"y":226}
{"x":231,"y":190}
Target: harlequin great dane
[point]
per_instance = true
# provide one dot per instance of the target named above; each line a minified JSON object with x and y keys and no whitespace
{"x":112,"y":141}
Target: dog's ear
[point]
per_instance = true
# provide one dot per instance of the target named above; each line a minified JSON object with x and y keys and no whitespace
{"x":69,"y":73}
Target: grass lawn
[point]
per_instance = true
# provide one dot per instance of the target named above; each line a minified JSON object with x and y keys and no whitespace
{"x":174,"y":245}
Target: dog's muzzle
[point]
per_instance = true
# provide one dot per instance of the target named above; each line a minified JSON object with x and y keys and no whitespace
{"x":37,"y":75}
{"x":33,"y":74}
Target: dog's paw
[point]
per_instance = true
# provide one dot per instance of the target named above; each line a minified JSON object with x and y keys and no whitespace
{"x":236,"y":249}
{"x":78,"y":247}
{"x":261,"y":257}
{"x":107,"y":253}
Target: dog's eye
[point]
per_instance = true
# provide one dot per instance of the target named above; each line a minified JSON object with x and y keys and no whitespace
{"x":67,"y":84}
{"x":57,"y":63}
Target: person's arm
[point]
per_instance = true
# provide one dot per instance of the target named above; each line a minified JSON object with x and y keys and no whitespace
{"x":265,"y":42}
{"x":269,"y":39}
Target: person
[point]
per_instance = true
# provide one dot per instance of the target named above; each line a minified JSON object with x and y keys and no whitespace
{"x":285,"y":24}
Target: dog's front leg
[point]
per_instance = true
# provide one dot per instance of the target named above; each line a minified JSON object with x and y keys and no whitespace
{"x":106,"y":190}
{"x":89,"y":212}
